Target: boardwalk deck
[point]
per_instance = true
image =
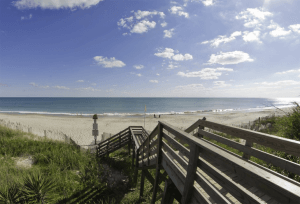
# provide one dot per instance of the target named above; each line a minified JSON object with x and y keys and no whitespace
{"x":203,"y":172}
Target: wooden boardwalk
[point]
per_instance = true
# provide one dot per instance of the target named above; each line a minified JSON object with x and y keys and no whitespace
{"x":196,"y":170}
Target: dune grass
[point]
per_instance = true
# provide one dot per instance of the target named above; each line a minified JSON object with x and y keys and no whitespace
{"x":74,"y":175}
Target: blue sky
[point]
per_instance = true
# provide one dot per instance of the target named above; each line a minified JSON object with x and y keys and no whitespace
{"x":138,"y":48}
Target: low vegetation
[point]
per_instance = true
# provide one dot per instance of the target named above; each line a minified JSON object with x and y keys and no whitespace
{"x":287,"y":126}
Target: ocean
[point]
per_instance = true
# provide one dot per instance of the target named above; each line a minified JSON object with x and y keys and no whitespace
{"x":135,"y":106}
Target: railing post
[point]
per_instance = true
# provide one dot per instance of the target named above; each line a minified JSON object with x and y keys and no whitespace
{"x":148,"y":162}
{"x":136,"y":165}
{"x":201,"y":128}
{"x":107,"y":146}
{"x":158,"y":161}
{"x":191,"y":172}
{"x":142,"y":184}
{"x":129,"y":143}
{"x":247,"y":144}
{"x":143,"y":155}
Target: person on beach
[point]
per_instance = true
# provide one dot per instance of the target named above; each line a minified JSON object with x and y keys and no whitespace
{"x":154,"y":116}
{"x":159,"y":116}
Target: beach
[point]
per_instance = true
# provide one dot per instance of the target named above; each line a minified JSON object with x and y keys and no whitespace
{"x":79,"y":128}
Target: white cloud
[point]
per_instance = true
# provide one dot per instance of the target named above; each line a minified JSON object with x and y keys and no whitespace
{"x":169,"y":53}
{"x":253,"y":16}
{"x":138,"y":66}
{"x":61,"y":87}
{"x":163,"y":24}
{"x":221,"y":84}
{"x":157,"y":74}
{"x":180,"y":57}
{"x":108,"y":63}
{"x":139,"y":22}
{"x":280,"y":83}
{"x":35,"y":85}
{"x":279,"y":32}
{"x":142,"y":14}
{"x":234,"y":57}
{"x":143,"y":26}
{"x":55,"y":4}
{"x":26,"y":18}
{"x":87,"y":89}
{"x":295,"y":28}
{"x":251,"y":36}
{"x":80,"y":81}
{"x":153,"y":81}
{"x":139,"y":75}
{"x":206,"y":73}
{"x":223,"y":39}
{"x":208,"y":2}
{"x":178,"y":10}
{"x":289,"y":71}
{"x":172,"y":65}
{"x":168,"y":33}
{"x":93,"y":84}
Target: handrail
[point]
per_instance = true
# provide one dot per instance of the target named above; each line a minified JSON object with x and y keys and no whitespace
{"x":275,"y":142}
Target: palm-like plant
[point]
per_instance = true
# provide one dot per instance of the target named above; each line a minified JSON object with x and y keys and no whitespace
{"x":11,"y":194}
{"x":36,"y":188}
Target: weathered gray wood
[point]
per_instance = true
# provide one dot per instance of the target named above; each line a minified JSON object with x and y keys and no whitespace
{"x":277,"y":143}
{"x":210,"y":189}
{"x":142,"y":184}
{"x":273,"y":185}
{"x":177,"y":145}
{"x":176,"y":156}
{"x":235,"y":189}
{"x":148,"y":151}
{"x":191,"y":173}
{"x":176,"y":132}
{"x":247,"y":144}
{"x":170,"y":192}
{"x":125,"y":134}
{"x":192,"y":127}
{"x":277,"y":161}
{"x":136,"y":166}
{"x":159,"y":158}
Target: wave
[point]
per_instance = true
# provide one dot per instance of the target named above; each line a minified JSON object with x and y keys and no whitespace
{"x":258,"y":108}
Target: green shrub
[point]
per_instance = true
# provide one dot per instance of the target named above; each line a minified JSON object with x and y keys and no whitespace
{"x":288,"y":126}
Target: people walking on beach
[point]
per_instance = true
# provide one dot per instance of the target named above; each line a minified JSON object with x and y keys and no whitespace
{"x":154,"y":116}
{"x":159,"y":116}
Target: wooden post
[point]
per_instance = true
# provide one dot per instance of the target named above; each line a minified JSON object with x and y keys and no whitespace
{"x":201,"y":128}
{"x":129,"y":143}
{"x":158,"y":162}
{"x":143,"y":155}
{"x":136,"y":165}
{"x":133,"y":155}
{"x":142,"y":184}
{"x":148,"y":162}
{"x":247,"y":144}
{"x":170,"y":192}
{"x":191,"y":172}
{"x":107,"y":146}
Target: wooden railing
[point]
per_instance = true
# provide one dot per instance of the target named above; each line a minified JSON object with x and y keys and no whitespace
{"x":200,"y":171}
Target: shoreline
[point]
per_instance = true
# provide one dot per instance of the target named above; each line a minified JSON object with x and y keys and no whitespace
{"x":79,"y":128}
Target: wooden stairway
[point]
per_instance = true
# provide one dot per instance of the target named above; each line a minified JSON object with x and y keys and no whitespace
{"x":199,"y":171}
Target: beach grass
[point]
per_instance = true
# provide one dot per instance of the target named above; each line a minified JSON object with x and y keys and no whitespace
{"x":75,"y":174}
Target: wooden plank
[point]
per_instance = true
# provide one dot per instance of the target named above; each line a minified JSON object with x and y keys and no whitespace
{"x":142,"y":184}
{"x":111,"y":139}
{"x":247,"y":144}
{"x":277,"y":143}
{"x":234,"y":188}
{"x":177,"y":133}
{"x":275,"y":160}
{"x":177,"y":145}
{"x":135,"y":140}
{"x":271,"y":184}
{"x":192,"y":127}
{"x":191,"y":173}
{"x":179,"y":159}
{"x":159,"y":158}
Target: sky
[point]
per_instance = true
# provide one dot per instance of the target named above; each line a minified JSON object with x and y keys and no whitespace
{"x":157,"y":48}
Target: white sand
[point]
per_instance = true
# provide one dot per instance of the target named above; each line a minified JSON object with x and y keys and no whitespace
{"x":80,"y":128}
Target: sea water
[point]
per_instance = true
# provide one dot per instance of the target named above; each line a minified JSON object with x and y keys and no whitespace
{"x":136,"y":106}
